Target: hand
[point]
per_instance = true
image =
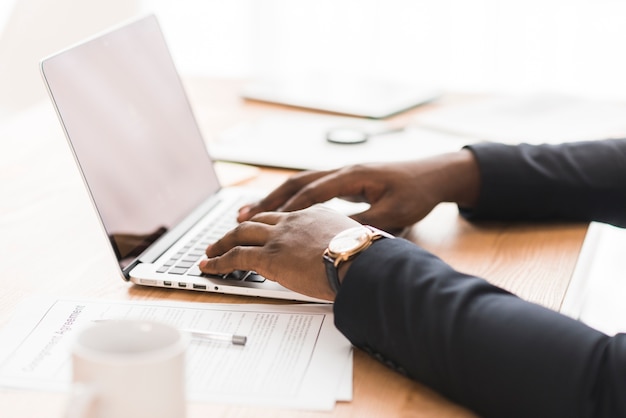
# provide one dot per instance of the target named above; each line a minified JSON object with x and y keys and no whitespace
{"x":399,"y":194}
{"x":286,"y":247}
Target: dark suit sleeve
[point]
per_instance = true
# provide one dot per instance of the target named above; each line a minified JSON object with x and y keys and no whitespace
{"x":578,"y":181}
{"x":476,"y":343}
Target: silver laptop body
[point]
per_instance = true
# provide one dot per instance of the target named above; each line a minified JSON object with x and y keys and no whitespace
{"x":144,"y":162}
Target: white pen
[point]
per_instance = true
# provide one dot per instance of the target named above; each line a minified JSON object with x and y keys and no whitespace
{"x":217,"y":336}
{"x":206,"y":335}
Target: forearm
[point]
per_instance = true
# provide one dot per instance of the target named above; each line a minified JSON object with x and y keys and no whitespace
{"x":456,"y":178}
{"x":580,"y":181}
{"x":469,"y":340}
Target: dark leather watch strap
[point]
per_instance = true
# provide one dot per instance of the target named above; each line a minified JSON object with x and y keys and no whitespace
{"x":332,"y":274}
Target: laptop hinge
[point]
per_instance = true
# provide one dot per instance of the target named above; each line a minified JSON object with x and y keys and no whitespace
{"x":126,"y":270}
{"x":160,"y":246}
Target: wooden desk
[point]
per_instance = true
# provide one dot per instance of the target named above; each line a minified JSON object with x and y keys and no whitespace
{"x":51,"y":244}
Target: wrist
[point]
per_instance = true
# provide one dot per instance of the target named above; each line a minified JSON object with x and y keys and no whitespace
{"x":460,"y":178}
{"x":344,"y":247}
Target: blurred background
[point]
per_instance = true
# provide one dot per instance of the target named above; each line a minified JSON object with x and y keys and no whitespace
{"x":576,"y":47}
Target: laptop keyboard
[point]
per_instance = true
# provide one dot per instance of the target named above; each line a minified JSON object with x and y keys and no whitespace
{"x":185,"y":261}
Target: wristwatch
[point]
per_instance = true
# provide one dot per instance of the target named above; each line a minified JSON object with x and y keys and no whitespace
{"x":345,"y":246}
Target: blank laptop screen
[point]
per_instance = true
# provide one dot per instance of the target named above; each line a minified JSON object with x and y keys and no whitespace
{"x":133,"y":133}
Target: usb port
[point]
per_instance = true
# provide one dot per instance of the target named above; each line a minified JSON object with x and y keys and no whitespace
{"x":199,"y":286}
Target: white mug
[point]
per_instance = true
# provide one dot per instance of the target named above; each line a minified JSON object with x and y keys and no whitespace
{"x":128,"y":368}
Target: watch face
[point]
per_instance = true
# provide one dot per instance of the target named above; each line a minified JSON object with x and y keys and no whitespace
{"x":349,"y":240}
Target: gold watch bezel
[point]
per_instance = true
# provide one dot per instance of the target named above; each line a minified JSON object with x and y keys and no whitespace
{"x":349,"y":243}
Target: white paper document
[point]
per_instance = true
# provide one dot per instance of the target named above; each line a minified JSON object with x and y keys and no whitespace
{"x":534,"y":119}
{"x":299,"y":142}
{"x":598,"y":286}
{"x":294,"y":356}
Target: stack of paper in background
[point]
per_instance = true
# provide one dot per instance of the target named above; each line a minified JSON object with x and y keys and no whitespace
{"x":598,"y":285}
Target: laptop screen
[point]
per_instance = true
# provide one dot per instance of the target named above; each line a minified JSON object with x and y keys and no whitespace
{"x":133,"y":133}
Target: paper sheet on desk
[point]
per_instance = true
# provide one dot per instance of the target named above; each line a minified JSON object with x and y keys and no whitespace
{"x":293,"y":352}
{"x":546,"y":118}
{"x":598,"y":286}
{"x":299,"y":141}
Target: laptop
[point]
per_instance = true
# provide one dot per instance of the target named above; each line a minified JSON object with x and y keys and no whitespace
{"x":144,"y":162}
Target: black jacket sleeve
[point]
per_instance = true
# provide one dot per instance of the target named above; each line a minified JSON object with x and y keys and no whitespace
{"x":474,"y":342}
{"x":578,"y":181}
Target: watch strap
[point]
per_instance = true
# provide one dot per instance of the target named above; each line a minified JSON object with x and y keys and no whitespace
{"x":332,"y":273}
{"x":332,"y":265}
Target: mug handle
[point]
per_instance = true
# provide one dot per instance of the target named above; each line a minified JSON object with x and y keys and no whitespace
{"x":81,"y":400}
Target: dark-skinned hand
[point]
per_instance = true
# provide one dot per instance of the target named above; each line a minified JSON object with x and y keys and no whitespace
{"x":286,"y":247}
{"x":399,"y":194}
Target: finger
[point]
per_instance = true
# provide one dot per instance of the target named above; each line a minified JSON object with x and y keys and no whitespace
{"x":337,"y":184}
{"x":370,"y":217}
{"x":268,"y":218}
{"x":280,"y":195}
{"x":237,"y":258}
{"x":244,"y":234}
{"x":378,"y":215}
